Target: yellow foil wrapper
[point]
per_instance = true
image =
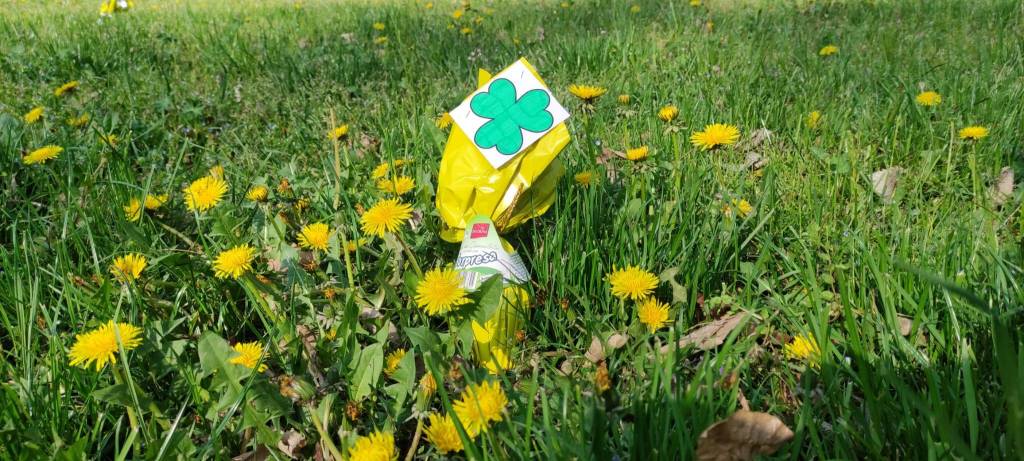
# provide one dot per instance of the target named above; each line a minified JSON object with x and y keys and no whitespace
{"x":520,"y":190}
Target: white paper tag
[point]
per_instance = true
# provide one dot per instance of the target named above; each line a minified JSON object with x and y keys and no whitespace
{"x":508,"y":114}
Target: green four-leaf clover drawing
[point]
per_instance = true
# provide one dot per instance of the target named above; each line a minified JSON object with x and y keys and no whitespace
{"x":508,"y":116}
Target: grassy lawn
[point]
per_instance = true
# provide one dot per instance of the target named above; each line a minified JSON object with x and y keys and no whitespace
{"x":855,"y":243}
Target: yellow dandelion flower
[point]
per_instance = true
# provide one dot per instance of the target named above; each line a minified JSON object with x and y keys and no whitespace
{"x":652,"y":313}
{"x":33,"y":115}
{"x":338,"y":132}
{"x":66,"y":88}
{"x":587,"y":93}
{"x":498,"y":362}
{"x":440,"y":291}
{"x":393,"y":360}
{"x":128,"y":268}
{"x":694,"y":2}
{"x":378,"y":26}
{"x":378,"y":446}
{"x":234,"y":262}
{"x":634,"y":9}
{"x":480,"y":405}
{"x":427,"y":385}
{"x":205,"y":193}
{"x":315,"y":236}
{"x":813,"y":119}
{"x":154,"y":202}
{"x":632,"y":283}
{"x":442,"y":434}
{"x":443,"y":121}
{"x":380,"y":171}
{"x":718,"y":134}
{"x":466,"y":30}
{"x":99,"y":346}
{"x":216,"y":171}
{"x":80,"y":121}
{"x":584,"y":178}
{"x":354,"y":244}
{"x":828,"y":50}
{"x":973,"y":132}
{"x":624,"y":99}
{"x":385,"y":216}
{"x":397,"y":186}
{"x":133,"y":210}
{"x":928,"y":98}
{"x":111,"y":139}
{"x":457,"y":14}
{"x":428,"y":5}
{"x":381,"y":40}
{"x":804,"y":349}
{"x":249,"y":356}
{"x":742,"y":207}
{"x":638,"y":153}
{"x":257,"y":193}
{"x":668,"y":113}
{"x":42,"y":154}
{"x":565,"y":5}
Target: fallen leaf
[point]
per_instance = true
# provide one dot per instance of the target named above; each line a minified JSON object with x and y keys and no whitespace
{"x":754,"y":161}
{"x":755,"y":140}
{"x":276,"y":265}
{"x":291,"y":442}
{"x":884,"y":182}
{"x":261,"y":453}
{"x":607,"y":159}
{"x":742,"y":436}
{"x":906,"y":323}
{"x":415,"y":220}
{"x":1002,"y":190}
{"x":597,"y":352}
{"x":308,"y":337}
{"x":367,"y":144}
{"x":710,"y":335}
{"x":567,"y":367}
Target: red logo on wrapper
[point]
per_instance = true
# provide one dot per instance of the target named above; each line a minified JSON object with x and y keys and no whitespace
{"x":479,"y":230}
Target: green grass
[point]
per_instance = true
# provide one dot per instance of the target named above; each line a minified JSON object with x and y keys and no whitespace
{"x":254,"y":86}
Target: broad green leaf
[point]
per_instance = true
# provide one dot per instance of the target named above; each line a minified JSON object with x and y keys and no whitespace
{"x":367,"y":371}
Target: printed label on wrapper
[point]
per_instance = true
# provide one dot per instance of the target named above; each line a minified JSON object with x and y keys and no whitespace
{"x":482,"y":256}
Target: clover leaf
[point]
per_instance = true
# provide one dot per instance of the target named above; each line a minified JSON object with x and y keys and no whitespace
{"x":509,"y":116}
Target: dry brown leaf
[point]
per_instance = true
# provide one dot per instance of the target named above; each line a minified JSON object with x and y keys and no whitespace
{"x":567,"y":367}
{"x":754,"y":161}
{"x":1002,"y":190}
{"x":756,"y":139}
{"x":308,"y":337}
{"x":607,"y":159}
{"x":261,"y":453}
{"x":291,"y":442}
{"x":597,"y":352}
{"x":742,"y":436}
{"x":709,"y":335}
{"x":906,"y":323}
{"x":884,"y":182}
{"x":367,"y":144}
